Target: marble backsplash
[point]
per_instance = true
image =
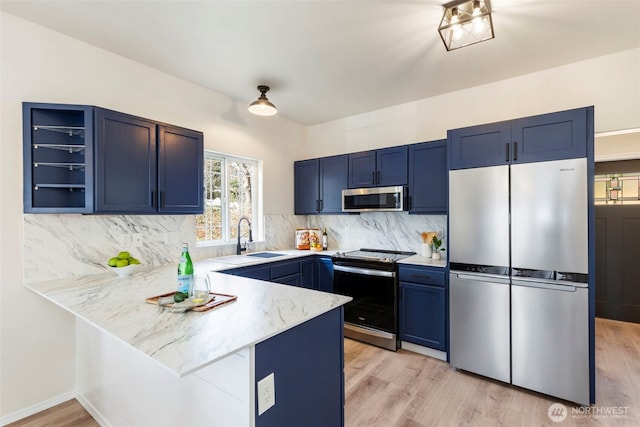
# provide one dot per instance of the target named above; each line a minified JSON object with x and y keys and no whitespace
{"x":58,"y":246}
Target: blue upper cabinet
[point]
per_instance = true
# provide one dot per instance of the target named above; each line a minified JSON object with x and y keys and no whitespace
{"x":333,"y":179}
{"x":478,"y":146}
{"x":58,"y":158}
{"x":126,"y":163}
{"x":378,"y":168}
{"x":318,"y":185}
{"x":362,"y":169}
{"x":553,"y":136}
{"x":144,"y":167}
{"x":306,"y":185}
{"x":180,"y":170}
{"x":428,"y":177}
{"x":85,"y":159}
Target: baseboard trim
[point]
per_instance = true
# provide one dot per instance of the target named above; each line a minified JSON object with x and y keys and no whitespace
{"x":38,"y":407}
{"x":93,"y":411}
{"x":426,"y":351}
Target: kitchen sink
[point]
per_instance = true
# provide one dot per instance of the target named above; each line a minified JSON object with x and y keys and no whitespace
{"x":264,"y":254}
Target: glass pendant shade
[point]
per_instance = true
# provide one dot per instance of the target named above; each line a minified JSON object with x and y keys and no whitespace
{"x":262,"y":106}
{"x":465,"y":23}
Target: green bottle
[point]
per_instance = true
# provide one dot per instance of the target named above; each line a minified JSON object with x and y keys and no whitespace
{"x":185,"y":272}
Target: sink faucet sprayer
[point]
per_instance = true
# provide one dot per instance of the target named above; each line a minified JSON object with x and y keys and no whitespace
{"x":239,"y":247}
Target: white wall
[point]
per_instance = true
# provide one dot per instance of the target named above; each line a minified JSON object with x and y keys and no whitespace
{"x":611,"y":83}
{"x":36,"y":338}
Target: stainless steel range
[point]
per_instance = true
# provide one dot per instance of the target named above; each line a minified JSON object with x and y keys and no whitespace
{"x":369,"y":276}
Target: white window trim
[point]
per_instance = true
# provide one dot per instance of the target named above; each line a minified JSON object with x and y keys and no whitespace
{"x":257,"y":222}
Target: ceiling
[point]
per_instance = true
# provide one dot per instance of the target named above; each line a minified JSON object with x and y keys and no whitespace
{"x":327,"y":59}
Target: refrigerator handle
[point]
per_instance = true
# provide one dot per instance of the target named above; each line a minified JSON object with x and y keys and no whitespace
{"x":515,"y":150}
{"x":507,"y":151}
{"x":543,"y":285}
{"x":482,"y":277}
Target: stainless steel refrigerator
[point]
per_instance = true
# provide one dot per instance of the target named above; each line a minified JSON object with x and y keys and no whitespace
{"x":518,"y":245}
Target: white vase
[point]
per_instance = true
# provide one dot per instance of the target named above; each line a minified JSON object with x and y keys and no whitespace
{"x":426,"y":250}
{"x":436,"y":255}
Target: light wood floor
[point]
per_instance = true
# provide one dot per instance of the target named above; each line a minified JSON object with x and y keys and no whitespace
{"x":386,"y":389}
{"x":69,"y":413}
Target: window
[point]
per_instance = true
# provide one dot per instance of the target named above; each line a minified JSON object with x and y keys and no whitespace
{"x":231,"y":191}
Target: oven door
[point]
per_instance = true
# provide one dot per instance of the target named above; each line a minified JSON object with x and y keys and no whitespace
{"x":374,"y":295}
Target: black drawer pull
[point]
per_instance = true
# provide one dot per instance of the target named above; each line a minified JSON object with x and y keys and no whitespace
{"x":422,"y":276}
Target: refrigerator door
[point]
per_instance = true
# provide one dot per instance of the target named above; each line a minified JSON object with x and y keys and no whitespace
{"x":550,"y":339}
{"x":479,"y":324}
{"x":479,"y":216}
{"x":549,"y":226}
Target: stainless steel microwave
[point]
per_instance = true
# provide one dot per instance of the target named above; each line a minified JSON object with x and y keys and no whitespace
{"x":376,"y":199}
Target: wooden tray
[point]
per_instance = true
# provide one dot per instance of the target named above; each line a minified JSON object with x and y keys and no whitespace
{"x":217,"y":301}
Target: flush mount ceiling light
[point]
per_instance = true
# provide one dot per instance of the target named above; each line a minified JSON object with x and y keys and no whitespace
{"x":262,"y":106}
{"x":466,"y":22}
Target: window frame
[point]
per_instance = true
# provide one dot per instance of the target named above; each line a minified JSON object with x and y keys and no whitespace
{"x":257,"y":221}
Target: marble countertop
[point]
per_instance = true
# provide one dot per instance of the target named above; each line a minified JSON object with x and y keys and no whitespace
{"x":186,"y":342}
{"x":420,"y":260}
{"x":217,"y":264}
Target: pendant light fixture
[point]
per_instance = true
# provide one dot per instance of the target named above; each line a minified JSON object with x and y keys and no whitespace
{"x":262,"y":106}
{"x":466,"y":22}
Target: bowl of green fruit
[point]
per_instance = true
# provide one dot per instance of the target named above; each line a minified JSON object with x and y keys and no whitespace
{"x":124,"y":264}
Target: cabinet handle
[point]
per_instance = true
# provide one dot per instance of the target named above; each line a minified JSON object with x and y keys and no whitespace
{"x":378,"y":179}
{"x":162,"y":199}
{"x":318,"y":205}
{"x":373,"y":177}
{"x":321,"y":205}
{"x":515,"y":150}
{"x":422,"y":276}
{"x":507,"y":153}
{"x":153,"y":199}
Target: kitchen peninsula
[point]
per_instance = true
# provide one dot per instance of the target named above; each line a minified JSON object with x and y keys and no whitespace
{"x":139,"y":364}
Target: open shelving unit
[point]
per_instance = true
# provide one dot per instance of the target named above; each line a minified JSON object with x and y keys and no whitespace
{"x":58,"y":152}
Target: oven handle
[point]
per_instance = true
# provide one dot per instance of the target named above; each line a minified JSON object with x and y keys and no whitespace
{"x":364,"y":271}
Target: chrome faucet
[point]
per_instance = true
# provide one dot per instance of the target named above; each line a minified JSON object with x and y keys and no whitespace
{"x":239,"y":247}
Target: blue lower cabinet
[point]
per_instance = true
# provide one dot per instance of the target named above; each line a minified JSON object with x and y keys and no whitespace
{"x":422,"y":315}
{"x":325,"y":274}
{"x":308,"y":367}
{"x":293,"y":280}
{"x":259,"y":272}
{"x":423,"y":306}
{"x":308,"y":273}
{"x":312,"y":272}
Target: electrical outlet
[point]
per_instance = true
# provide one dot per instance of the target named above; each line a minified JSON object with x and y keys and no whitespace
{"x":136,"y":240}
{"x":266,"y":393}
